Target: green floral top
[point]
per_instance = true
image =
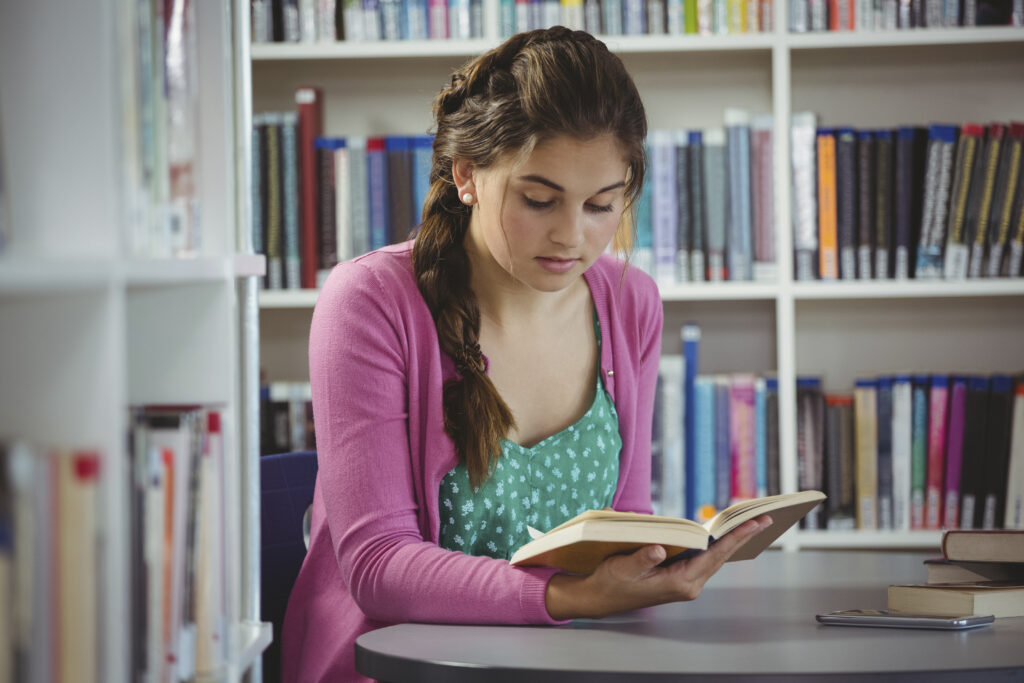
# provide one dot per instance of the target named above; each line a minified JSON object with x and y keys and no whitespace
{"x":567,"y":473}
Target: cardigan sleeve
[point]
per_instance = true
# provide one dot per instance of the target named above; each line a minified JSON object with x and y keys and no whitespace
{"x":358,"y":354}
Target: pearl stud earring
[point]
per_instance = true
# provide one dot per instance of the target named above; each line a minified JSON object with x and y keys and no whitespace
{"x":467,"y":198}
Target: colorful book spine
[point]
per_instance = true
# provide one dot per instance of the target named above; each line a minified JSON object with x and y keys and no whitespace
{"x":938,"y":399}
{"x":739,"y":222}
{"x":1007,"y":187}
{"x":274,"y":213}
{"x":690,"y":337}
{"x":938,"y":177}
{"x":611,"y":15}
{"x":866,"y":439}
{"x":955,"y":259}
{"x":828,"y":250}
{"x":377,"y":184}
{"x":954,"y":452}
{"x":437,"y":19}
{"x":902,"y":450}
{"x":979,"y":206}
{"x":763,"y":192}
{"x":803,"y":134}
{"x":309,"y":102}
{"x":920,"y":387}
{"x":401,"y":217}
{"x":352,"y":18}
{"x":704,"y":480}
{"x":459,"y":20}
{"x":741,"y":437}
{"x":295,"y":236}
{"x":760,"y":436}
{"x":327,"y":233}
{"x":664,"y":207}
{"x":643,"y":252}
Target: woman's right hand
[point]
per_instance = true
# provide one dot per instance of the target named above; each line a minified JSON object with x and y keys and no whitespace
{"x":626,"y":582}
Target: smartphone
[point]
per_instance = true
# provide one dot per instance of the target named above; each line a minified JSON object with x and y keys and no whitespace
{"x":873,"y":617}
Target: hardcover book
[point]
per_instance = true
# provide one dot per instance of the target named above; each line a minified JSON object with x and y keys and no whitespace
{"x":983,"y":545}
{"x":999,"y":600}
{"x":582,"y":543}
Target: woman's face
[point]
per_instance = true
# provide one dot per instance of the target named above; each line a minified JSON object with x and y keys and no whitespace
{"x":548,"y":219}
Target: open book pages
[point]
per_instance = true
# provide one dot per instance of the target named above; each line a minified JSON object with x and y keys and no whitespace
{"x":581,"y":543}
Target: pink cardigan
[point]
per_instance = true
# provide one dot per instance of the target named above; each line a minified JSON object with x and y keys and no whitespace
{"x":377,"y":374}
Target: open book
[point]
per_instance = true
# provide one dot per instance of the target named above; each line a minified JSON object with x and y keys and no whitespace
{"x":581,"y":543}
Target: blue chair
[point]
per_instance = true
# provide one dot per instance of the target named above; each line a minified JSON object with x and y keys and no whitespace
{"x":286,"y":494}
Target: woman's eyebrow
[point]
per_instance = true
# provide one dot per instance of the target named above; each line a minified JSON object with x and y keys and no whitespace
{"x":555,"y":186}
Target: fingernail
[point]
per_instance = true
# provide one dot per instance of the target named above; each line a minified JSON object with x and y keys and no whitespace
{"x":768,"y":523}
{"x":656,"y":554}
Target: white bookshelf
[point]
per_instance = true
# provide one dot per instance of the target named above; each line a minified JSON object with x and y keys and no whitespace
{"x":87,"y":329}
{"x":837,"y":330}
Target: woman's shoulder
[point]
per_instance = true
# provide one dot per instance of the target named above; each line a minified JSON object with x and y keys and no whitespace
{"x":616,"y":279}
{"x":388,"y":269}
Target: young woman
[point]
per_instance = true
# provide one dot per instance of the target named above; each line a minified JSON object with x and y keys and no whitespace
{"x":497,"y":371}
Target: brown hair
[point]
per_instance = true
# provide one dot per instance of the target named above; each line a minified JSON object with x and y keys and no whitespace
{"x":535,"y":86}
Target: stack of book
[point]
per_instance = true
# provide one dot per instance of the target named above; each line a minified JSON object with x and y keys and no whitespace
{"x":979,"y":573}
{"x":859,"y":15}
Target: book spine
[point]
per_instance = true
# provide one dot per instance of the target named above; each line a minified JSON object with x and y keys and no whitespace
{"x":799,"y":18}
{"x":805,"y":208}
{"x":591,"y":17}
{"x":771,"y":434}
{"x":741,"y":437}
{"x":763,"y":190}
{"x":274,"y":213}
{"x":938,"y":398}
{"x":572,"y":14}
{"x":919,"y":450}
{"x":740,"y":226}
{"x":437,"y":13}
{"x":327,"y":233}
{"x":684,"y":208}
{"x":459,"y":21}
{"x":656,"y":21}
{"x":705,"y":488}
{"x":954,"y":452}
{"x":716,"y":202}
{"x":690,"y":16}
{"x":673,"y":482}
{"x":974,"y":461}
{"x":294,"y":252}
{"x":760,"y":434}
{"x":908,"y":187}
{"x":902,"y":447}
{"x":866,"y":419}
{"x":359,"y":205}
{"x":309,"y":103}
{"x":957,"y":250}
{"x":883,"y":404}
{"x":643,"y":252}
{"x":258,"y":187}
{"x":400,"y":192}
{"x":612,"y":17}
{"x":979,"y":206}
{"x":1014,"y":518}
{"x":810,"y":442}
{"x":664,"y":207}
{"x":1016,"y":255}
{"x":723,"y":456}
{"x":997,"y":451}
{"x":941,"y":146}
{"x":883,"y":204}
{"x":343,"y":202}
{"x":377,"y":183}
{"x":698,"y":234}
{"x":674,"y":19}
{"x":690,"y":338}
{"x":1007,"y":183}
{"x":846,"y":202}
{"x":418,"y":21}
{"x":828,"y":250}
{"x":867,"y":217}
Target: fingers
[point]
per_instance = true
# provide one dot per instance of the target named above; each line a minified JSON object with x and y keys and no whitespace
{"x":710,"y":561}
{"x":638,"y":564}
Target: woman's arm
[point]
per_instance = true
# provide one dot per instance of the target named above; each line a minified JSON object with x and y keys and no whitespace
{"x":359,"y":351}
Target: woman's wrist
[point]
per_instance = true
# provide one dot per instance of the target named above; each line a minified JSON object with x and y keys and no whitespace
{"x":567,"y":598}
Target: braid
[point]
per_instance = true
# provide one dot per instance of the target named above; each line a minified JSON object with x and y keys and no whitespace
{"x":535,"y":85}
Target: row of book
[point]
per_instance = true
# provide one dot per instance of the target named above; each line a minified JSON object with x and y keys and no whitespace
{"x":880,"y":15}
{"x":160,"y":114}
{"x":914,"y":452}
{"x":942,"y":201}
{"x":53,"y":563}
{"x":312,"y":21}
{"x":286,"y":418}
{"x":707,"y":210}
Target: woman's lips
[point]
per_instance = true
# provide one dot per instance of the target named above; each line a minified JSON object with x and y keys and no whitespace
{"x":556,"y":265}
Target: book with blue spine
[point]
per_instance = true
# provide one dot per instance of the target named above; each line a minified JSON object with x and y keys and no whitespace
{"x":634,"y":21}
{"x":938,"y":179}
{"x":643,"y":254}
{"x":703,"y":458}
{"x":290,"y":200}
{"x":760,"y":437}
{"x":377,"y":186}
{"x":422,"y":163}
{"x":664,"y":206}
{"x":723,"y":455}
{"x":740,"y":221}
{"x":416,"y":24}
{"x":690,"y":338}
{"x":359,"y":198}
{"x":671,"y":406}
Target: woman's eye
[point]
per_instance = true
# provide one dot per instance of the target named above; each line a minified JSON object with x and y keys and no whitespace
{"x":601,"y":208}
{"x":534,"y":204}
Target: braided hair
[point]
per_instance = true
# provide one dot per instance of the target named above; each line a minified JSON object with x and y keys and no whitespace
{"x":535,"y":86}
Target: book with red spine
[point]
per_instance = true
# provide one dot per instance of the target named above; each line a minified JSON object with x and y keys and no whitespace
{"x":309,"y":102}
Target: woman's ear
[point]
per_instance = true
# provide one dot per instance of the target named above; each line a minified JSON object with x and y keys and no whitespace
{"x":462,"y":176}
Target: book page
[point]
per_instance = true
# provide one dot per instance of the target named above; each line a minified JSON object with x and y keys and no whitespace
{"x":785,"y":509}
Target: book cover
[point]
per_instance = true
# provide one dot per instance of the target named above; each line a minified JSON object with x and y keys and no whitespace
{"x":866,"y":215}
{"x":983,"y":545}
{"x":955,"y":260}
{"x":401,"y":218}
{"x":902,"y":450}
{"x":920,"y":388}
{"x":846,"y":201}
{"x":690,"y":340}
{"x":274,"y":204}
{"x":1014,"y":518}
{"x":342,"y":201}
{"x":698,"y":234}
{"x":909,"y":189}
{"x":960,"y":599}
{"x":883,"y":452}
{"x":938,"y":179}
{"x":810,"y":441}
{"x":803,"y":138}
{"x":684,"y":205}
{"x":760,"y":442}
{"x":422,"y":162}
{"x":378,"y":191}
{"x":359,"y":194}
{"x":972,"y":477}
{"x":979,"y":203}
{"x":309,"y":103}
{"x":723,"y":452}
{"x":840,"y":466}
{"x":828,"y":245}
{"x":739,"y":221}
{"x":716,"y":202}
{"x":938,"y":399}
{"x":771,"y":434}
{"x":995,"y":470}
{"x":290,"y":203}
{"x":866,"y":440}
{"x":582,"y":543}
{"x":954,"y":452}
{"x":763,"y":193}
{"x":884,"y":202}
{"x":671,"y":406}
{"x":741,"y":437}
{"x":327,"y":232}
{"x":941,"y":570}
{"x":703,"y":459}
{"x":1006,"y":188}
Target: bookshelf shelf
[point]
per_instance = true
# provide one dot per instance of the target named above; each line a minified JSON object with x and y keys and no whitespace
{"x":836,"y":330}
